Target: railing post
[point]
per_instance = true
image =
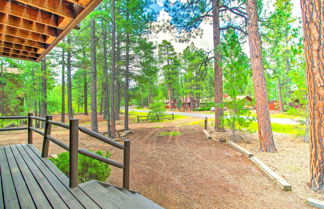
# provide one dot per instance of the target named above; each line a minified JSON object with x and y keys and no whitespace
{"x":173,"y":116}
{"x":206,"y":120}
{"x":47,"y":131}
{"x":138,"y":119}
{"x":30,"y":132}
{"x":126,"y":164}
{"x":74,"y":140}
{"x":157,"y":118}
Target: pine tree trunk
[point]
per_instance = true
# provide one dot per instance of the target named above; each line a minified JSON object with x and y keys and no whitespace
{"x":69,"y":79}
{"x":44,"y":91}
{"x":127,"y":71}
{"x":260,"y":89}
{"x":218,"y":77}
{"x":118,"y":100}
{"x":94,"y":121}
{"x":113,"y":69}
{"x":85,"y":90}
{"x":313,"y":16}
{"x":281,"y":108}
{"x":106,"y":81}
{"x":63,"y":87}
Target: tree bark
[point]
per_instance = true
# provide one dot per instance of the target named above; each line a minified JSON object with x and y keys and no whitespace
{"x":94,"y":120}
{"x":218,"y":74}
{"x":69,"y":79}
{"x":313,"y":16}
{"x":63,"y":87}
{"x":281,"y":108}
{"x":260,"y":89}
{"x":106,"y":82}
{"x":113,"y":69}
{"x":127,"y":71}
{"x":85,"y":93}
{"x":44,"y":91}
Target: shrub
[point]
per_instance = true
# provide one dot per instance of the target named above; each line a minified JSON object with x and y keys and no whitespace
{"x":88,"y":168}
{"x":156,"y":108}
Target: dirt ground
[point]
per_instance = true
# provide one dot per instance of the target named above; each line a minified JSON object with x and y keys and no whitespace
{"x":291,"y":161}
{"x":186,"y":171}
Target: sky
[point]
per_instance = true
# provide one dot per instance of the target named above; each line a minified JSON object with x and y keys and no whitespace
{"x":206,"y":41}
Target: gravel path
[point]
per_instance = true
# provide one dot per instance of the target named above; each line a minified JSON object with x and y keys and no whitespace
{"x":204,"y":115}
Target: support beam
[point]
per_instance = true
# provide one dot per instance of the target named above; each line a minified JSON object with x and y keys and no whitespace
{"x":91,"y":6}
{"x":81,"y":3}
{"x":29,"y":13}
{"x":24,"y":34}
{"x":17,"y":56}
{"x":24,"y":24}
{"x":19,"y":53}
{"x":58,"y":7}
{"x":21,"y":41}
{"x":18,"y":47}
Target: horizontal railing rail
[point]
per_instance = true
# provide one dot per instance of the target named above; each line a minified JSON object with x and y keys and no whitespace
{"x":101,"y":137}
{"x":13,"y":118}
{"x":37,"y":131}
{"x":62,"y":125}
{"x":73,"y":147}
{"x":38,"y":118}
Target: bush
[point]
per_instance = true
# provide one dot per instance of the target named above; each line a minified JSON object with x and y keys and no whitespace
{"x":156,"y":108}
{"x":88,"y":168}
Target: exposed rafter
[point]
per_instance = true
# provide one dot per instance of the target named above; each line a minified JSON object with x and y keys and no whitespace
{"x":29,"y":29}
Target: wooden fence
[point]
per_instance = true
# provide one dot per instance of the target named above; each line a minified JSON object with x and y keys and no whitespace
{"x":73,"y":147}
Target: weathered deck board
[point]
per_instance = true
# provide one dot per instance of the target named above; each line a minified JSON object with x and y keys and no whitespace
{"x":29,"y":181}
{"x":100,"y":198}
{"x":34,"y":190}
{"x":77,"y":192}
{"x":25,"y":201}
{"x":9,"y":193}
{"x":61,"y":190}
{"x":47,"y":188}
{"x":1,"y":199}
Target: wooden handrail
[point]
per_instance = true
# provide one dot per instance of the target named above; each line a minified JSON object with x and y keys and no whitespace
{"x":13,"y":129}
{"x":73,"y":149}
{"x":62,"y":125}
{"x":100,"y":158}
{"x":101,"y":137}
{"x":38,"y":118}
{"x":13,"y":117}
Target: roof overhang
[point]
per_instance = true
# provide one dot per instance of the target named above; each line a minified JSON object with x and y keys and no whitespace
{"x":30,"y":29}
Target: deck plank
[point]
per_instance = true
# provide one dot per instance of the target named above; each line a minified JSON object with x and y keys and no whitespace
{"x":85,"y":200}
{"x":61,"y":190}
{"x":47,"y":188}
{"x":36,"y":193}
{"x":25,"y":201}
{"x":99,"y":194}
{"x":9,"y":192}
{"x":1,"y":198}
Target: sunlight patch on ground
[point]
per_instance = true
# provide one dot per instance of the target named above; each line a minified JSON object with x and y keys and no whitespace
{"x":171,"y":133}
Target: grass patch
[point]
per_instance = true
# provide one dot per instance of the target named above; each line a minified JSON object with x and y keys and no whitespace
{"x":298,"y":130}
{"x":171,"y":133}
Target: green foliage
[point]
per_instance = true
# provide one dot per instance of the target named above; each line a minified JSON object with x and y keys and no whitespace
{"x":88,"y":168}
{"x":297,"y":130}
{"x":171,"y":133}
{"x":157,"y":108}
{"x":236,"y":71}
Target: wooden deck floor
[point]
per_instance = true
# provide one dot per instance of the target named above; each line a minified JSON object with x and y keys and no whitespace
{"x":29,"y":181}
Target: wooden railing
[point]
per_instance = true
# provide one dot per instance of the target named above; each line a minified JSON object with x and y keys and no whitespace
{"x":157,"y":118}
{"x":73,"y":147}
